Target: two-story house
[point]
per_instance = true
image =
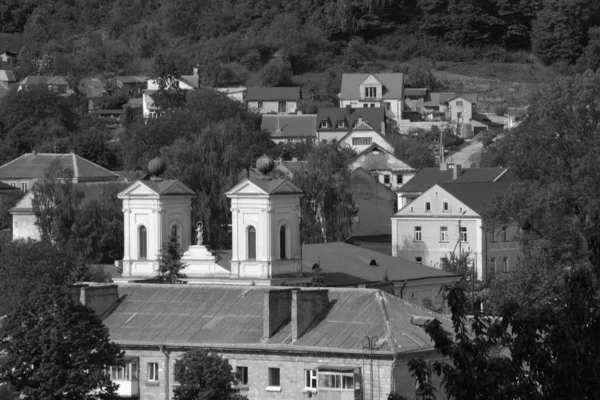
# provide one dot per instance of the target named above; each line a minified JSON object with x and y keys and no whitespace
{"x":461,"y":108}
{"x":447,"y":218}
{"x":374,"y":90}
{"x":273,"y":100}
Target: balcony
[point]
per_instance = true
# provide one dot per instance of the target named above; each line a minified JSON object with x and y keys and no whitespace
{"x":127,"y":388}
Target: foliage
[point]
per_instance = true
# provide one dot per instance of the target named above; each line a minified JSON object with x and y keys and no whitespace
{"x":57,"y":348}
{"x":316,"y":277}
{"x":553,"y":350}
{"x":460,"y":264}
{"x":205,"y":376}
{"x":327,"y":208}
{"x":276,"y":72}
{"x":8,"y":201}
{"x":418,"y":73}
{"x":170,"y":266}
{"x":413,"y":151}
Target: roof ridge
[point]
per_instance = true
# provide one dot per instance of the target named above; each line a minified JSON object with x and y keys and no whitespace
{"x":12,"y":161}
{"x":388,"y":325}
{"x":75,"y":166}
{"x":96,"y":165}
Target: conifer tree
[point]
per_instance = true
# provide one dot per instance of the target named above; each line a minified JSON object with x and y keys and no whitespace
{"x":170,"y":266}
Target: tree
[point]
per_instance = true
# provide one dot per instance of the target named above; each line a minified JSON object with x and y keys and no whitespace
{"x":204,"y":376}
{"x":56,"y":348}
{"x":276,"y":72}
{"x":414,"y":151}
{"x":170,"y":266}
{"x":553,"y":351}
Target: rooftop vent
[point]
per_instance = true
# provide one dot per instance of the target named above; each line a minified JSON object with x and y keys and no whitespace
{"x":373,"y":262}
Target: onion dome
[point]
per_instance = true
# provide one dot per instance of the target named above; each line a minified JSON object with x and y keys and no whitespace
{"x":265,"y":164}
{"x":157,"y":166}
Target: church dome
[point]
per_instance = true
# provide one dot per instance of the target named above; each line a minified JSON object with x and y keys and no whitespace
{"x":157,"y":166}
{"x":265,"y":164}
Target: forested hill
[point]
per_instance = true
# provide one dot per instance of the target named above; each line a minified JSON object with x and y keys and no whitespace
{"x":232,"y":39}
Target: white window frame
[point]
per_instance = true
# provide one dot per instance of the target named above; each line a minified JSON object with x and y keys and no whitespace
{"x":370,"y":92}
{"x":341,"y":124}
{"x":418,"y":236}
{"x":272,"y":386}
{"x":387,"y":179}
{"x":443,"y":233}
{"x":310,"y":379}
{"x":362,"y":141}
{"x":244,"y":374}
{"x":505,"y":264}
{"x":463,"y":234}
{"x":152,"y":375}
{"x":445,"y":206}
{"x":324,"y":125}
{"x":399,"y":179}
{"x":337,"y":377}
{"x":494,"y":265}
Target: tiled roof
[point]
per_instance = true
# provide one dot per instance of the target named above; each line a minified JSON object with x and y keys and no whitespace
{"x":435,"y":99}
{"x":7,"y":75}
{"x":232,"y":317}
{"x":475,"y":194}
{"x":393,"y":84}
{"x":160,"y":186}
{"x":344,"y":264}
{"x":273,"y":94}
{"x":44,"y":80}
{"x":290,"y":125}
{"x":372,"y":116}
{"x":295,"y":167}
{"x":34,"y":165}
{"x":427,"y":177}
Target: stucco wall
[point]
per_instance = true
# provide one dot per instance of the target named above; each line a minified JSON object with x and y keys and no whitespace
{"x":273,"y":107}
{"x":23,"y":227}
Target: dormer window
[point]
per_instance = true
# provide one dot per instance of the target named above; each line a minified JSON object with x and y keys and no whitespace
{"x":370,"y":92}
{"x":341,"y":124}
{"x":324,"y":124}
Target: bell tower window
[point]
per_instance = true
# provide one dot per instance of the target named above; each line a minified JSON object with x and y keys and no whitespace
{"x":143,"y":242}
{"x":251,"y":243}
{"x":282,"y":242}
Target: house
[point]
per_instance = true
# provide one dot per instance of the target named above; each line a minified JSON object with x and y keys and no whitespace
{"x":234,"y":93}
{"x":274,"y":100}
{"x":290,"y":128}
{"x":135,"y":85}
{"x":24,"y":171}
{"x":374,"y":90}
{"x":381,"y":163}
{"x":336,"y":123}
{"x":8,"y":57}
{"x":461,"y":108}
{"x":482,"y":123}
{"x":56,"y":84}
{"x":447,"y":218}
{"x":93,"y":89}
{"x":362,"y":135}
{"x":435,"y":104}
{"x":414,"y":98}
{"x":282,"y":342}
{"x":7,"y":76}
{"x":427,"y":177}
{"x":185,"y":83}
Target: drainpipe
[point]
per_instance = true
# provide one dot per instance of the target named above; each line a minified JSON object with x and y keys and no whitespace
{"x":402,"y":290}
{"x":163,"y":350}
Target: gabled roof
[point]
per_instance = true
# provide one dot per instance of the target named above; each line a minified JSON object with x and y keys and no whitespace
{"x":45,"y":80}
{"x":470,"y":97}
{"x":344,"y":264}
{"x":4,"y":89}
{"x":34,"y":165}
{"x":474,"y":195}
{"x":131,"y":79}
{"x":92,"y":88}
{"x":156,"y":187}
{"x":373,"y":116}
{"x":484,"y":120}
{"x":393,"y":85}
{"x":376,"y":157}
{"x":360,"y":129}
{"x":264,"y":185}
{"x":273,"y":94}
{"x":415,"y":92}
{"x":427,"y":177}
{"x":290,"y":125}
{"x":191,"y":80}
{"x":7,"y":75}
{"x":435,"y":99}
{"x":231,"y":90}
{"x":232,"y":317}
{"x":291,"y":168}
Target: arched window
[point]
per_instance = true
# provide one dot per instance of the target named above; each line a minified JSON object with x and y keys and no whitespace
{"x":175,"y":232}
{"x":143,"y":242}
{"x":251,"y":243}
{"x":282,"y":243}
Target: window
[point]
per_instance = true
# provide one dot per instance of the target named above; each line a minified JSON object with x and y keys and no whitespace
{"x":463,"y":234}
{"x":417,"y":233}
{"x":399,"y":179}
{"x":260,"y":104}
{"x":370,"y":92}
{"x":324,"y":124}
{"x":443,"y":234}
{"x":419,"y":260}
{"x":361,"y":141}
{"x":459,"y":103}
{"x":128,"y":372}
{"x":336,"y":380}
{"x":427,"y":206}
{"x":504,"y":234}
{"x":251,"y":243}
{"x":505,"y":264}
{"x":493,"y":264}
{"x":388,"y":105}
{"x":341,"y":124}
{"x":143,"y":242}
{"x":372,"y":105}
{"x":386,"y":179}
{"x":13,"y":184}
{"x":242,"y":375}
{"x":445,"y":206}
{"x":282,"y":243}
{"x":153,"y":372}
{"x":310,"y":378}
{"x":175,"y":232}
{"x":492,"y":235}
{"x":24,"y":187}
{"x":274,"y":377}
{"x":281,"y":107}
{"x":365,"y":105}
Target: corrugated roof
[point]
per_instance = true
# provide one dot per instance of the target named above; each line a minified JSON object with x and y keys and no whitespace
{"x":231,"y":316}
{"x":435,"y":99}
{"x":475,"y":194}
{"x":393,"y":85}
{"x":34,"y":165}
{"x":344,"y":264}
{"x":427,"y":177}
{"x":7,"y":75}
{"x":273,"y":93}
{"x":373,"y":116}
{"x":290,"y":125}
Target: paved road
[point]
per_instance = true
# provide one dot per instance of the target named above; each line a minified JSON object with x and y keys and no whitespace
{"x":463,"y":157}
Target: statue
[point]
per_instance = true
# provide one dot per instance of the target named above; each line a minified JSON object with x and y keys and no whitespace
{"x":199,"y":232}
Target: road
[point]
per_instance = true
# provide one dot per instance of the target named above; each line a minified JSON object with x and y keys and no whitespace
{"x":463,"y":156}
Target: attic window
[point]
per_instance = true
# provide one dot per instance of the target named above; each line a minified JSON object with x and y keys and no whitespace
{"x":373,"y":263}
{"x":341,"y":124}
{"x":324,"y":124}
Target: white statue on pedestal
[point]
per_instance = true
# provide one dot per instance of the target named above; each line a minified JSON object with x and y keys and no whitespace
{"x":199,"y":233}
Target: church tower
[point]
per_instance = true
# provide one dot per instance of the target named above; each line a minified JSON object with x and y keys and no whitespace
{"x":265,"y":215}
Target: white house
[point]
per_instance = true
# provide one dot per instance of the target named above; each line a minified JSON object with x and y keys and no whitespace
{"x":335,"y":123}
{"x":273,"y":100}
{"x":381,"y":163}
{"x":362,"y":136}
{"x":234,"y":93}
{"x":374,"y":90}
{"x":186,"y":83}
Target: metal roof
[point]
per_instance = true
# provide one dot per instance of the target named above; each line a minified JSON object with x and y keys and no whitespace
{"x":273,"y":94}
{"x":290,"y":125}
{"x":393,"y":85}
{"x":427,"y":177}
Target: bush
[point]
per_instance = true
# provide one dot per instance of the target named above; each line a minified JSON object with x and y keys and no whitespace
{"x":276,"y":73}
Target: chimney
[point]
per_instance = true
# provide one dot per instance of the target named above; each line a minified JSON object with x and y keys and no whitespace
{"x":359,"y":121}
{"x":277,"y":306}
{"x":195,"y":70}
{"x":307,"y":305}
{"x":383,"y":127}
{"x":457,"y":171}
{"x":443,"y":166}
{"x":100,"y":297}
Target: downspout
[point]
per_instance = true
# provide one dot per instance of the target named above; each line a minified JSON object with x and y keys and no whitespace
{"x":402,"y":290}
{"x":393,"y":381}
{"x":167,"y":386}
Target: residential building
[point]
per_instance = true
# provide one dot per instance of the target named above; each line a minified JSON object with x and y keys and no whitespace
{"x":8,"y":57}
{"x":337,"y":123}
{"x":427,"y":177}
{"x":7,"y":77}
{"x":135,"y":85}
{"x":384,"y":90}
{"x":375,"y":204}
{"x":447,"y":218}
{"x":93,"y":89}
{"x":57,"y":84}
{"x":381,"y":163}
{"x":234,"y":93}
{"x":435,"y":105}
{"x":481,"y":122}
{"x":290,"y":128}
{"x":414,"y":98}
{"x":362,"y":135}
{"x":461,"y":110}
{"x":273,"y":100}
